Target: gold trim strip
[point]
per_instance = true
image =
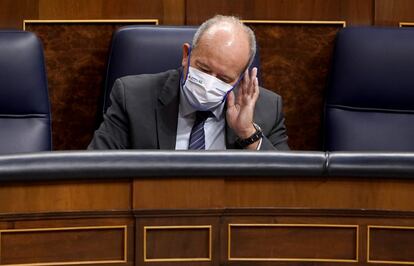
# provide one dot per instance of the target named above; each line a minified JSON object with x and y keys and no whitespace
{"x":310,"y":22}
{"x":406,"y":24}
{"x":386,"y":227}
{"x":356,"y":227}
{"x":57,"y":21}
{"x":167,"y":227}
{"x":52,"y":229}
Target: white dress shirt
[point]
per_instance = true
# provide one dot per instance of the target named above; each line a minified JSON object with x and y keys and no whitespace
{"x":214,"y":127}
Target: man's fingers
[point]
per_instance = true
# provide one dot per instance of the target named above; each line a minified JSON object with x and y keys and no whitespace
{"x":245,"y":82}
{"x":256,"y":88}
{"x":239,"y":96}
{"x":253,"y":74}
{"x":251,"y":88}
{"x":230,"y":99}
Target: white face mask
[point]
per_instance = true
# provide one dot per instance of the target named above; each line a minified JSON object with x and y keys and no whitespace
{"x":203,"y":91}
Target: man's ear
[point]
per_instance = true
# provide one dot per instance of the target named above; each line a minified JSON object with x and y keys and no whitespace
{"x":186,"y":52}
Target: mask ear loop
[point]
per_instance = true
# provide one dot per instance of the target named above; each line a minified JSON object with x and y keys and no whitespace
{"x":232,"y":88}
{"x":237,"y":82}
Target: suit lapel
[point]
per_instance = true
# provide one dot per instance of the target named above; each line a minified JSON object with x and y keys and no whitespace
{"x":167,"y":113}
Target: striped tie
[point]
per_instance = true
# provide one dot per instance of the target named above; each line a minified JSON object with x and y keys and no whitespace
{"x":197,"y":141}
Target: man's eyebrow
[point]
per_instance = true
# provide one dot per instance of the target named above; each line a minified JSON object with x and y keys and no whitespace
{"x":223,"y":76}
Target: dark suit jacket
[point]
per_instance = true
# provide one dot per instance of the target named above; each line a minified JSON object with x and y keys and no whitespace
{"x":144,"y":114}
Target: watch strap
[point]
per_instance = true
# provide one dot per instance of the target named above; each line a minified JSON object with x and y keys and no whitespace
{"x":243,"y":143}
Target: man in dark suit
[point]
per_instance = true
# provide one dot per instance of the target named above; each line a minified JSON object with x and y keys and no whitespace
{"x":212,"y":102}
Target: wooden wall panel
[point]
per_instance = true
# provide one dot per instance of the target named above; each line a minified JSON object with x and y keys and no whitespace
{"x":295,"y":62}
{"x":189,"y":243}
{"x":76,"y":56}
{"x":97,"y":244}
{"x":173,"y":194}
{"x":65,"y":196}
{"x":301,"y":218}
{"x":177,"y":240}
{"x":284,"y":242}
{"x":13,"y":12}
{"x":274,"y":236}
{"x":322,"y":193}
{"x":167,"y":11}
{"x":318,"y":193}
{"x":355,"y":12}
{"x":82,"y":237}
{"x":391,"y":244}
{"x":391,"y":12}
{"x":173,"y":12}
{"x":70,"y":9}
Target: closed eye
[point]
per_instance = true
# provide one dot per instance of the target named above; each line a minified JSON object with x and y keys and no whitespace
{"x":203,"y":67}
{"x":205,"y":70}
{"x":225,"y":79}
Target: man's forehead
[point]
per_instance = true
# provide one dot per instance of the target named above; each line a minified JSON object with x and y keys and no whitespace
{"x":227,"y":43}
{"x":225,"y":33}
{"x":225,"y":48}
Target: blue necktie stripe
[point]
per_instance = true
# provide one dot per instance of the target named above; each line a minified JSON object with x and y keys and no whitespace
{"x":197,"y":136}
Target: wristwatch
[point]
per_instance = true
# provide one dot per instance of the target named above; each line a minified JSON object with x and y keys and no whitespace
{"x":243,"y":143}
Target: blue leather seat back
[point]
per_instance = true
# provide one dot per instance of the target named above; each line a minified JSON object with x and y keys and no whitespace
{"x":370,"y":96}
{"x":147,"y":50}
{"x":24,"y":101}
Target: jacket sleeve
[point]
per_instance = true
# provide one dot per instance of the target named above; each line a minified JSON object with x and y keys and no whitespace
{"x":113,"y":131}
{"x":277,"y":138}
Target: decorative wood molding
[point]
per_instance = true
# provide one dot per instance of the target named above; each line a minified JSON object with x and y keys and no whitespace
{"x":354,"y":227}
{"x":406,"y":24}
{"x":298,"y":22}
{"x":174,"y":227}
{"x":60,"y":229}
{"x":62,"y":21}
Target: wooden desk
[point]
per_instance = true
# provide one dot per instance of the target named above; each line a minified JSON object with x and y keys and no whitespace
{"x":202,"y":220}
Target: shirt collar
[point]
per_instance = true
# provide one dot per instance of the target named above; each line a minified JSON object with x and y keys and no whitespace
{"x":186,"y":109}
